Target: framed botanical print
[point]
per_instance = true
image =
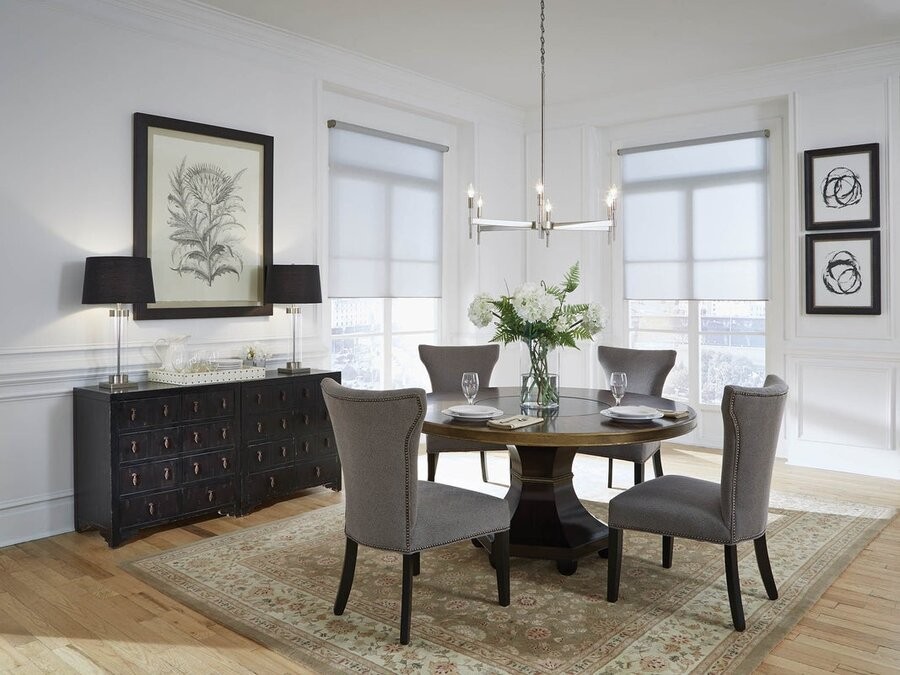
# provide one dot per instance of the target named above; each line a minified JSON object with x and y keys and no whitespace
{"x":843,"y":273}
{"x":203,"y":215}
{"x":841,"y":187}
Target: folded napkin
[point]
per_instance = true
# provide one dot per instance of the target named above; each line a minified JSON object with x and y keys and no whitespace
{"x":674,"y":414}
{"x":514,"y":422}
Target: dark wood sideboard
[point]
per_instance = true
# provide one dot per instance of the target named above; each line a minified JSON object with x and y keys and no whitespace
{"x":161,"y":453}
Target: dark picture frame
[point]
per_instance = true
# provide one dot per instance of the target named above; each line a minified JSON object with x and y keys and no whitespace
{"x":841,"y":187}
{"x":203,"y":215}
{"x":843,"y":273}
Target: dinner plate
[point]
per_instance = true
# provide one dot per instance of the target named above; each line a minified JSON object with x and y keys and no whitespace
{"x":473,"y":412}
{"x":641,"y":411}
{"x":655,"y":415}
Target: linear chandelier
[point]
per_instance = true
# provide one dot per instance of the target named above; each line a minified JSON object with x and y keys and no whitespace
{"x":543,"y":223}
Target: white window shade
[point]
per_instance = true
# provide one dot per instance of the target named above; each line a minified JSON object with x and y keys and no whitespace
{"x":386,"y":214}
{"x":695,"y":220}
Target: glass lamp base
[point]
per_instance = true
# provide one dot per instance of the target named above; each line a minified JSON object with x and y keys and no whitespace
{"x":293,"y":368}
{"x":119,"y":381}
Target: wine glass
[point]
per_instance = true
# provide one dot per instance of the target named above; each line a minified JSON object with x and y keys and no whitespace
{"x":470,"y":386}
{"x":617,"y":383}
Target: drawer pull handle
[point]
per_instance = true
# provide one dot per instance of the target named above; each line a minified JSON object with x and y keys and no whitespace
{"x":196,"y":406}
{"x":306,"y":447}
{"x":305,"y":392}
{"x":271,"y":481}
{"x":135,"y":479}
{"x":259,"y":399}
{"x":283,"y":451}
{"x":197,"y":437}
{"x":259,"y":455}
{"x":224,"y":433}
{"x":284,"y":423}
{"x":152,"y":508}
{"x":133,"y":414}
{"x":224,"y":462}
{"x":224,"y":404}
{"x":196,"y":468}
{"x":165,"y":410}
{"x":282,"y":395}
{"x":134,"y":447}
{"x":318,"y":472}
{"x":306,"y":419}
{"x":167,"y":472}
{"x":259,"y":427}
{"x":210,"y":495}
{"x":327,"y":441}
{"x":166,"y":442}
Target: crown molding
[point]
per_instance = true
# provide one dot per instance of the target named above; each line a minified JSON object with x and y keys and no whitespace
{"x":193,"y":23}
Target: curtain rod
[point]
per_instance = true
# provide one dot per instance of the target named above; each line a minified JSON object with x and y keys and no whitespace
{"x":346,"y":126}
{"x":762,"y":133}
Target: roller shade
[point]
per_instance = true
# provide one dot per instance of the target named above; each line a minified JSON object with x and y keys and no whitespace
{"x":695,"y":219}
{"x":386,"y":206}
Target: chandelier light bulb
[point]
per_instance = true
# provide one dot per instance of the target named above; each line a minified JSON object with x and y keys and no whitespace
{"x":480,"y":201}
{"x":471,"y":191}
{"x":539,"y":188}
{"x":611,"y":196}
{"x":548,"y":207}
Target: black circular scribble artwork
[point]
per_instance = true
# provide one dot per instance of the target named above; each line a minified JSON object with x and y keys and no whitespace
{"x":841,"y":188}
{"x":842,"y":275}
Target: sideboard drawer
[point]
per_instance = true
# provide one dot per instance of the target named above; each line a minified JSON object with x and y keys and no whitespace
{"x":208,"y":465}
{"x":323,"y":470}
{"x":208,"y":495}
{"x":135,"y":447}
{"x":262,"y":456}
{"x":144,"y":509}
{"x":264,"y":427}
{"x":262,"y":398}
{"x":150,"y":476}
{"x":147,"y":412}
{"x":268,"y":484}
{"x":199,"y":406}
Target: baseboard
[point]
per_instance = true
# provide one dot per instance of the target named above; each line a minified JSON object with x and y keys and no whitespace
{"x":36,"y":518}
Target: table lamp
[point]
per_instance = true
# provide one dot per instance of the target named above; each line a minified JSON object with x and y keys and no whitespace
{"x":117,"y":280}
{"x":293,"y":285}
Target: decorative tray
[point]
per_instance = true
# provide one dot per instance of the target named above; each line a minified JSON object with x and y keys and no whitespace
{"x":211,"y":377}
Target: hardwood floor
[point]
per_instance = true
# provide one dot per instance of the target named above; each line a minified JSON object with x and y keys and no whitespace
{"x":66,"y":606}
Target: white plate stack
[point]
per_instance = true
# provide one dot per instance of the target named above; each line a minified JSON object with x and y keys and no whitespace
{"x":632,"y":413}
{"x":473,"y":413}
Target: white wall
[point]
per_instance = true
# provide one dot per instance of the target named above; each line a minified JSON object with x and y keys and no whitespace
{"x":844,"y":371}
{"x":73,"y":73}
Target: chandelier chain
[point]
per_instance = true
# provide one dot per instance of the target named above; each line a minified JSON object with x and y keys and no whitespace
{"x":543,"y":52}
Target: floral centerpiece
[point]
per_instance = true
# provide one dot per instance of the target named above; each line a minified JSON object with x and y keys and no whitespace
{"x":255,"y":355}
{"x":537,"y":316}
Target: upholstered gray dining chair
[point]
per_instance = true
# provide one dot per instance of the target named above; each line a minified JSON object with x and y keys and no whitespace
{"x":445,"y":366}
{"x":387,"y":507}
{"x":734,"y":510}
{"x":646,"y":370}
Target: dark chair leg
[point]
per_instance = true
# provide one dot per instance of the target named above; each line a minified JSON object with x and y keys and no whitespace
{"x":615,"y":564}
{"x":406,"y":600}
{"x":346,"y":576}
{"x":484,"y":467}
{"x":609,"y":475}
{"x":417,"y":563}
{"x":668,"y":548}
{"x":765,"y":567}
{"x":733,"y":581}
{"x":657,"y":463}
{"x":432,"y":465}
{"x":638,"y":472}
{"x":500,"y":557}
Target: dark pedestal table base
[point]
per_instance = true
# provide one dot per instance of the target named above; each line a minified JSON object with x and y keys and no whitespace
{"x":548,"y":520}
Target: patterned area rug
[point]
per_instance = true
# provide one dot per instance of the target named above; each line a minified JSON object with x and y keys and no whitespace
{"x":276,"y":584}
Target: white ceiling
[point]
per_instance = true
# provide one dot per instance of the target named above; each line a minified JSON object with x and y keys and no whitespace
{"x":593,"y":46}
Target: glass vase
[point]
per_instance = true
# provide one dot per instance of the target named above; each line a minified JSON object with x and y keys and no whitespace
{"x":539,"y":366}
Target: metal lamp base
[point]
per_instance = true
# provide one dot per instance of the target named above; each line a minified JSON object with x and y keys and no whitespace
{"x":294,"y":368}
{"x":119,"y":381}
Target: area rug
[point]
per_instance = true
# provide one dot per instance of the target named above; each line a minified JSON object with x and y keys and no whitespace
{"x":276,"y":584}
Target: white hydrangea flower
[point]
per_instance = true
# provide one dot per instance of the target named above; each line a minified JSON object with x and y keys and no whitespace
{"x":481,"y":310}
{"x":594,"y":318}
{"x":533,"y":303}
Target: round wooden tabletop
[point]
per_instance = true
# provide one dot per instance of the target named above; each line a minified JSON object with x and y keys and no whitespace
{"x":577,"y":421}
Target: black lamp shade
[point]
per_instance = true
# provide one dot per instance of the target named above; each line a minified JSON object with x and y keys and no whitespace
{"x":114,"y":279}
{"x":293,"y":284}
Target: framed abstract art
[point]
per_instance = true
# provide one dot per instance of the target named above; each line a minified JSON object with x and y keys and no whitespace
{"x":841,"y":187}
{"x":843,"y":273}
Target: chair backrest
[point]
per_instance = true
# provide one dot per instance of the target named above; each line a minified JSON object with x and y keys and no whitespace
{"x":646,"y":369}
{"x":752,"y":419}
{"x":445,"y":365}
{"x":377,"y":434}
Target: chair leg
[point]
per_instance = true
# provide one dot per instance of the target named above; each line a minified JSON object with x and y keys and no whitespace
{"x":638,"y":472}
{"x":765,"y":567}
{"x":733,"y":581}
{"x":484,"y":476}
{"x":609,"y":474}
{"x":432,"y":465}
{"x":668,"y":548}
{"x":417,"y":563}
{"x":406,"y":600}
{"x":500,"y":557}
{"x":615,"y":564}
{"x":346,"y":576}
{"x":657,"y":463}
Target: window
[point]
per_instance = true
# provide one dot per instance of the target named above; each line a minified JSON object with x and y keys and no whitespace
{"x":695,"y":230}
{"x":384,"y":276}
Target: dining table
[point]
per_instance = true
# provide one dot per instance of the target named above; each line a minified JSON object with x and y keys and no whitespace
{"x":547,"y":519}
